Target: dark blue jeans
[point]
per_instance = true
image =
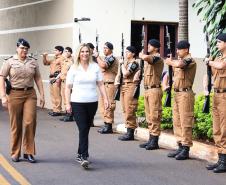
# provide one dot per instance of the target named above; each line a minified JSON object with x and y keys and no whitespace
{"x":83,"y":114}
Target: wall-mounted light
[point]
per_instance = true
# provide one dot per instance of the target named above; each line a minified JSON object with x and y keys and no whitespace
{"x":81,"y":19}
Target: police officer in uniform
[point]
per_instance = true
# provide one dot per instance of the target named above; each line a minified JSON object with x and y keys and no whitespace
{"x":153,"y":93}
{"x":55,"y":86}
{"x":21,"y":101}
{"x":129,"y":67}
{"x":65,"y":65}
{"x":109,"y":67}
{"x":218,"y":68}
{"x":184,"y":70}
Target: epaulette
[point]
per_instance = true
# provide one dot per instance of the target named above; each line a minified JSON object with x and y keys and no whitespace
{"x":8,"y":57}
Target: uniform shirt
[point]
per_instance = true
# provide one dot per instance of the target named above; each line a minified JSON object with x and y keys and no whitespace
{"x":153,"y":72}
{"x":55,"y":65}
{"x":84,"y":83}
{"x":219,"y":75}
{"x":21,"y":73}
{"x":133,"y":67}
{"x":65,"y":65}
{"x":184,"y":77}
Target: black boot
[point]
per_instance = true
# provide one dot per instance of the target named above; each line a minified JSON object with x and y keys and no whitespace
{"x":128,"y":136}
{"x":67,"y":118}
{"x":153,"y":144}
{"x":212,"y":166}
{"x":176,"y":152}
{"x":184,"y":154}
{"x":106,"y":129}
{"x":143,"y":145}
{"x":222,"y":166}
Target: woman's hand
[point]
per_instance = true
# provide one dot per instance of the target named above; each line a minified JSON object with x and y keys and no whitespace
{"x":5,"y":102}
{"x":42,"y":102}
{"x":68,"y":108}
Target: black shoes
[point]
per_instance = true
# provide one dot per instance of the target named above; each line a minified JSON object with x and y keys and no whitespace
{"x":67,"y":118}
{"x":106,"y":129}
{"x":129,"y":136}
{"x":184,"y":154}
{"x":29,"y":158}
{"x":83,"y":161}
{"x":220,"y":166}
{"x":15,"y":159}
{"x":176,"y":152}
{"x":152,"y":143}
{"x":54,"y":113}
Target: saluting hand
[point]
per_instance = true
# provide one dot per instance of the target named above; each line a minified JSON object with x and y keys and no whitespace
{"x":5,"y":102}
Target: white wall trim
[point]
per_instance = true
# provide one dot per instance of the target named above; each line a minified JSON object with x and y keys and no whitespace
{"x":38,"y":28}
{"x":26,"y":4}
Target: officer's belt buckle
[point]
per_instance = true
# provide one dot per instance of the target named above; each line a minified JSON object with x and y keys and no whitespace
{"x":152,"y":86}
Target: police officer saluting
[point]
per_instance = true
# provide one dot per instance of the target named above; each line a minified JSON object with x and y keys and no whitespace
{"x":184,"y":70}
{"x":109,"y":67}
{"x":218,"y":68}
{"x":153,"y":93}
{"x":129,"y":67}
{"x":21,"y":102}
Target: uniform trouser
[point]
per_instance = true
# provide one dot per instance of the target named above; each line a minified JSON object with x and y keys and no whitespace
{"x":22,"y":114}
{"x":56,"y":97}
{"x":83,"y":114}
{"x":183,"y":117}
{"x":63,"y":84}
{"x":108,"y":115}
{"x":129,"y":104}
{"x":153,"y":110}
{"x":219,"y":121}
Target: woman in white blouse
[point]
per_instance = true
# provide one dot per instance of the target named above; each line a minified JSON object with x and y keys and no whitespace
{"x":83,"y":78}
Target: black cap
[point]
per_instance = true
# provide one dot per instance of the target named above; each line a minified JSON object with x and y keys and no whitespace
{"x":69,"y":49}
{"x":132,"y":49}
{"x":23,"y":42}
{"x":154,"y":42}
{"x":183,"y":44}
{"x":90,"y":45}
{"x":59,"y":48}
{"x":222,"y":37}
{"x":109,"y":45}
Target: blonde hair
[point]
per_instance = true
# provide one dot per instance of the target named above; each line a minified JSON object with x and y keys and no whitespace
{"x":77,"y":55}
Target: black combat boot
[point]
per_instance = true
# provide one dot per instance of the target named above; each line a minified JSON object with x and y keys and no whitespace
{"x":212,"y":166}
{"x":128,"y":136}
{"x":153,"y":144}
{"x":221,"y":168}
{"x":176,"y":152}
{"x":106,"y":129}
{"x":184,"y":154}
{"x":143,"y":145}
{"x":67,"y":118}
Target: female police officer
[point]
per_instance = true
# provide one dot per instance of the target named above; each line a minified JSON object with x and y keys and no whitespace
{"x":21,"y":102}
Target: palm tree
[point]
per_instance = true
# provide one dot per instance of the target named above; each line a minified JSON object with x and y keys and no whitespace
{"x":183,"y":20}
{"x":213,"y":14}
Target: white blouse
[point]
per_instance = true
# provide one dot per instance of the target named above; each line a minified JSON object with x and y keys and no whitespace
{"x":84,"y":83}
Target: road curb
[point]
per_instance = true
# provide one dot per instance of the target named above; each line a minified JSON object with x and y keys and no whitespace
{"x":198,"y":150}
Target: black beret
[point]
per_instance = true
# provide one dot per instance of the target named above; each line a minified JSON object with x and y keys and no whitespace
{"x":109,"y":45}
{"x":132,"y":49}
{"x":90,"y":45}
{"x":183,"y":44}
{"x":59,"y":48}
{"x":222,"y":37}
{"x":69,"y":49}
{"x":154,"y":42}
{"x":22,"y":42}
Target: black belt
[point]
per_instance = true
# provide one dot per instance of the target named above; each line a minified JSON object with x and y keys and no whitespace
{"x":123,"y":83}
{"x":22,"y":89}
{"x":108,"y":82}
{"x":182,"y":89}
{"x":219,"y":90}
{"x":146,"y":87}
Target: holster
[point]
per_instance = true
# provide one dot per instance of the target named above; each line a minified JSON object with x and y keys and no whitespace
{"x":8,"y":86}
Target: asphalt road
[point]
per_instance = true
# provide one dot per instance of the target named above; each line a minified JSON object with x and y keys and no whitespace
{"x":113,"y":162}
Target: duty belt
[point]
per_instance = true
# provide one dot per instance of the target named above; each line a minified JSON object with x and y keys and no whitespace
{"x":146,"y":87}
{"x":123,"y":83}
{"x":219,"y":90}
{"x":22,"y":89}
{"x":182,"y":89}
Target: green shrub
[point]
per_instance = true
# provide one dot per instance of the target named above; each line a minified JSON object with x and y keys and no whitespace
{"x":202,"y":128}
